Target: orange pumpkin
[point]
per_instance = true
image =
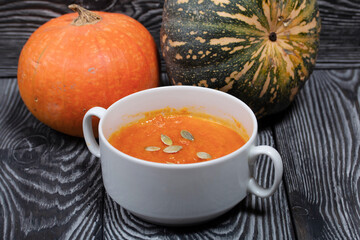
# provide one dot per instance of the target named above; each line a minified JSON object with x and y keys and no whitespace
{"x":78,"y":61}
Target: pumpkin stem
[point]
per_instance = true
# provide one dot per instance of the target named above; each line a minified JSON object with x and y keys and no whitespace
{"x":85,"y":16}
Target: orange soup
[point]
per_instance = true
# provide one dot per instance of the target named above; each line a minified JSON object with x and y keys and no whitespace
{"x":176,"y":138}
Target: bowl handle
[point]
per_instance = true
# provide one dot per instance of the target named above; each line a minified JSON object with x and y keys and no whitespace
{"x":274,"y":155}
{"x":90,"y":140}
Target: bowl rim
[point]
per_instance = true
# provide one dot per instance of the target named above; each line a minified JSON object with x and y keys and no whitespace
{"x":211,"y":162}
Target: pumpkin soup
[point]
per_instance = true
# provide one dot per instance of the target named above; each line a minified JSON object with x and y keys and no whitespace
{"x":177,"y":137}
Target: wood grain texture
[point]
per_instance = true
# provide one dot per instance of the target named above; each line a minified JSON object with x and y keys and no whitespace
{"x":320,"y":139}
{"x":51,"y":186}
{"x":339,"y":45}
{"x":252,"y":218}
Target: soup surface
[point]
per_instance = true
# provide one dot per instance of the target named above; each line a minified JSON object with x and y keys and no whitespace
{"x":176,"y":138}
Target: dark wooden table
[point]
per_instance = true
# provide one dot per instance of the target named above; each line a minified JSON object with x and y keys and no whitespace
{"x":51,"y":186}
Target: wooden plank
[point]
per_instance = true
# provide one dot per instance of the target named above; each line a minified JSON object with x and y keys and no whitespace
{"x":320,"y":139}
{"x":252,"y":218}
{"x":339,"y":45}
{"x":51,"y":186}
{"x":18,"y":19}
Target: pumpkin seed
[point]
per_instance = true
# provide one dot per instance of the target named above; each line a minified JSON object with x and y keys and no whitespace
{"x":187,"y":135}
{"x":152,"y":149}
{"x":172,"y":149}
{"x":166,"y":140}
{"x":203,"y":155}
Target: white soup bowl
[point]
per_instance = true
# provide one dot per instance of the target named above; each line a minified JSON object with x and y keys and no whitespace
{"x":178,"y":194}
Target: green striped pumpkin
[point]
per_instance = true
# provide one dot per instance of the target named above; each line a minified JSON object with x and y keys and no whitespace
{"x":261,"y":51}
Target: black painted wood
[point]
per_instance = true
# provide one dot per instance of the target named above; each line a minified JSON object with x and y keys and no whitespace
{"x":50,"y":185}
{"x":339,"y":43}
{"x":319,"y":137}
{"x":340,"y":31}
